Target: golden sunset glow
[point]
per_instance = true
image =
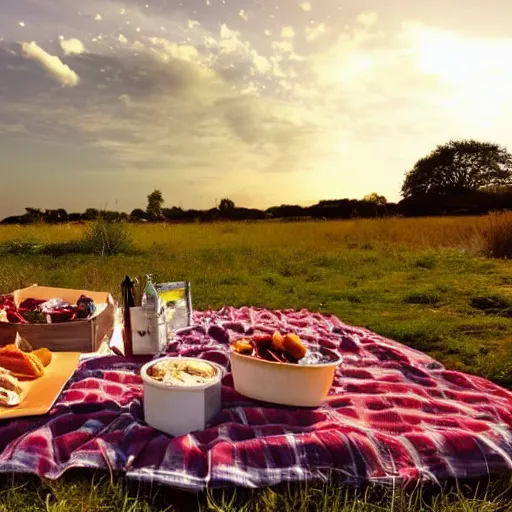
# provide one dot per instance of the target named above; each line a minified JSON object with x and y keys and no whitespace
{"x":287,"y":103}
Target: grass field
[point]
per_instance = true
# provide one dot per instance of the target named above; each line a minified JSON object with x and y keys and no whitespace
{"x":425,"y":282}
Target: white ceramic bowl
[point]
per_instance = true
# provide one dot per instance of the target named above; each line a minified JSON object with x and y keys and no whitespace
{"x":283,"y":383}
{"x":179,"y":410}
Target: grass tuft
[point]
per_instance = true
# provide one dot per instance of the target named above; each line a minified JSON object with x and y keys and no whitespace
{"x":498,"y":235}
{"x":106,"y":238}
{"x":425,"y":297}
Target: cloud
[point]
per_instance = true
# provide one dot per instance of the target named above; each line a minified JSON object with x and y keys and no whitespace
{"x":315,"y":32}
{"x":322,"y":102}
{"x":243,"y":15}
{"x":72,"y":46}
{"x":52,"y":64}
{"x":98,"y":17}
{"x":305,"y":6}
{"x":167,"y":50}
{"x":262,"y":64}
{"x":287,"y":32}
{"x":368,"y":18}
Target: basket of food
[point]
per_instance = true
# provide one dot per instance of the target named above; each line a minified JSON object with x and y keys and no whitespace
{"x":278,"y":368}
{"x":60,"y":319}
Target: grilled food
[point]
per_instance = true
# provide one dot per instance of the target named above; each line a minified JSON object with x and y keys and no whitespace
{"x":277,"y":348}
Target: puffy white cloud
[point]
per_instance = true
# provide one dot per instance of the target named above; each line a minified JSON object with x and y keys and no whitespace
{"x":61,"y":72}
{"x":305,"y":6}
{"x":72,"y":46}
{"x":167,"y":50}
{"x":243,"y":15}
{"x":122,"y":39}
{"x":98,"y":17}
{"x":261,"y":64}
{"x":315,"y":32}
{"x":287,"y":32}
{"x":368,"y":18}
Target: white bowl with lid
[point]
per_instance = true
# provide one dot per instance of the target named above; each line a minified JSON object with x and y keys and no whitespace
{"x":180,"y":409}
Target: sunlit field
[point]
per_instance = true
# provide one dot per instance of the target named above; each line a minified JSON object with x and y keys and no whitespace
{"x":429,"y":283}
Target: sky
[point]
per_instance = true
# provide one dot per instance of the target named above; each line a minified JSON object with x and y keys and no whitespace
{"x":264,"y":102}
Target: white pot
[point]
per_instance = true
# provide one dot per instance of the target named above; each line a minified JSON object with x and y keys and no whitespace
{"x":179,"y":410}
{"x":282,"y":383}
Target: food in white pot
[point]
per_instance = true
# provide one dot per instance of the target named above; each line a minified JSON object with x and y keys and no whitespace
{"x":181,"y":394}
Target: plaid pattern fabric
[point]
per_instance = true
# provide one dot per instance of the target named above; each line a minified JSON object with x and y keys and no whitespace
{"x":393,"y":415}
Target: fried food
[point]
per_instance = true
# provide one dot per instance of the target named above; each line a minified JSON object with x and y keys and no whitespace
{"x":243,"y":347}
{"x":44,"y":355}
{"x":275,"y":348}
{"x":21,"y":364}
{"x":277,"y":341}
{"x":293,"y":345}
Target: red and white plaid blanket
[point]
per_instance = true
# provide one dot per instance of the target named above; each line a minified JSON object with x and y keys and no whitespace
{"x":393,"y":415}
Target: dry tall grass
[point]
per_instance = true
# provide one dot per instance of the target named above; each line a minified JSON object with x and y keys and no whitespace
{"x":490,"y":234}
{"x":498,"y":235}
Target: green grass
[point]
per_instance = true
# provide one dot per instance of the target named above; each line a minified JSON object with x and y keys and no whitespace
{"x":423,"y":282}
{"x":93,"y":493}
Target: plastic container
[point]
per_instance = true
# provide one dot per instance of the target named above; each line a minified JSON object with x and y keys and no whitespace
{"x":299,"y":385}
{"x":179,"y":410}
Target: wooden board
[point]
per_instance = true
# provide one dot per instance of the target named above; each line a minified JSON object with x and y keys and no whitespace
{"x":40,"y":394}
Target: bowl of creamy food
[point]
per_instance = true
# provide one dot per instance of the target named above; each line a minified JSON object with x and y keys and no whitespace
{"x":181,"y":394}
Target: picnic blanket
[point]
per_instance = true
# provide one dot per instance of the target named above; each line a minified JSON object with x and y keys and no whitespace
{"x":393,"y":415}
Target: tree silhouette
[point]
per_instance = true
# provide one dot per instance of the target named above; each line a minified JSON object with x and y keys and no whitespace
{"x":155,"y":203}
{"x":34,"y":214}
{"x":459,"y":166}
{"x":376,"y":199}
{"x":226,"y":204}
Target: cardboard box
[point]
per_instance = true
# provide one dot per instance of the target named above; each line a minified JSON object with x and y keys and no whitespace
{"x":76,"y":336}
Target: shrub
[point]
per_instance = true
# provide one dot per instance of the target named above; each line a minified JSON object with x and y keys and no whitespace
{"x":105,"y":237}
{"x":497,"y":235}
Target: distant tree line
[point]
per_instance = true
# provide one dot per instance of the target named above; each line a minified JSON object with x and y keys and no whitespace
{"x":465,"y":177}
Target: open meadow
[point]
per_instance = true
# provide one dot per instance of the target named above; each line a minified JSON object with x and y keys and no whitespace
{"x":430,"y":283}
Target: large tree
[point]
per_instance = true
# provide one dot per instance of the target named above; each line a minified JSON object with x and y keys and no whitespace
{"x":459,"y":166}
{"x":155,"y":203}
{"x":226,"y":205}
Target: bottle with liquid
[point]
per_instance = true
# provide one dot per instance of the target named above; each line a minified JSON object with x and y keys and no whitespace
{"x":154,"y":339}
